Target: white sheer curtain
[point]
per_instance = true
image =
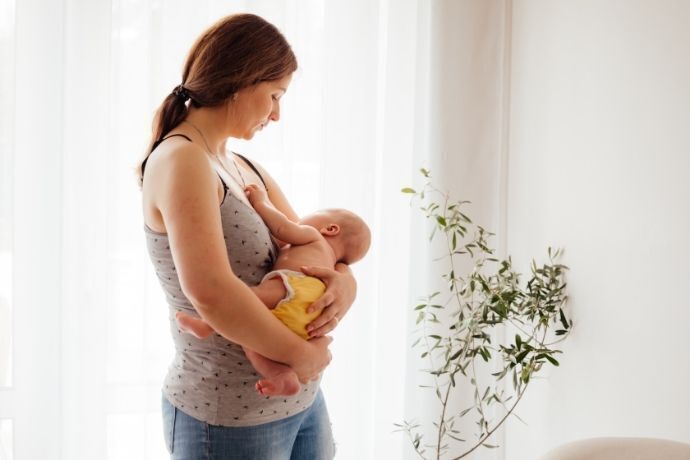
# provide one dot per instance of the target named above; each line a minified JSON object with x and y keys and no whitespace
{"x":383,"y":88}
{"x":79,"y":84}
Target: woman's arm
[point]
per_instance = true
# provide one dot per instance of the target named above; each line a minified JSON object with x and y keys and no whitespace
{"x":182,"y":186}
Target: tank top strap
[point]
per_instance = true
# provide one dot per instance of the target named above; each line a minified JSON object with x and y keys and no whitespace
{"x":251,"y":165}
{"x":155,"y":145}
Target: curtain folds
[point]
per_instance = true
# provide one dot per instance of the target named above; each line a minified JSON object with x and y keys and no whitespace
{"x":378,"y":94}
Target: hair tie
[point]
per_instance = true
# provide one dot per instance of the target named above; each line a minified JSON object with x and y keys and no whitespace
{"x":181,"y":93}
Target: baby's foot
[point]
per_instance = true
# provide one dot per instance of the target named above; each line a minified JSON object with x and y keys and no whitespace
{"x":284,"y":384}
{"x":195,"y":326}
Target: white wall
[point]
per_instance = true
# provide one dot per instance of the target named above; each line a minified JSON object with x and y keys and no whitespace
{"x":598,"y":164}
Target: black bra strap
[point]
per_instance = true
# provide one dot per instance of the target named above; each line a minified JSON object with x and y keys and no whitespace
{"x":156,"y":144}
{"x":225,"y":187}
{"x":251,"y":165}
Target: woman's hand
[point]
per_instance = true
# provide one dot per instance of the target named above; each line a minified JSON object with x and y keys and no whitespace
{"x":341,"y":289}
{"x":313,"y":360}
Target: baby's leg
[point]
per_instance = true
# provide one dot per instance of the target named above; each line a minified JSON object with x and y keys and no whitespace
{"x":278,"y":379}
{"x":270,"y":291}
{"x":193,"y":325}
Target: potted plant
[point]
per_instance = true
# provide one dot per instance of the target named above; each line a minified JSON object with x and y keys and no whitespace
{"x":497,"y":333}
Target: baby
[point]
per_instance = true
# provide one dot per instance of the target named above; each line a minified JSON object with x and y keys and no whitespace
{"x":321,"y":239}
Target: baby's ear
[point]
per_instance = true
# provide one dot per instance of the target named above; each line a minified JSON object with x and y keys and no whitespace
{"x":330,"y":230}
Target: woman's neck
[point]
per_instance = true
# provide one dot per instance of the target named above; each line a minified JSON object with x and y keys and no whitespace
{"x":209,"y":122}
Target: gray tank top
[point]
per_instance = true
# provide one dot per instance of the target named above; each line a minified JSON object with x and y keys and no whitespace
{"x":211,"y":379}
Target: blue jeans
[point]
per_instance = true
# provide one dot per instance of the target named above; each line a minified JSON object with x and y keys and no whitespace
{"x":304,"y":436}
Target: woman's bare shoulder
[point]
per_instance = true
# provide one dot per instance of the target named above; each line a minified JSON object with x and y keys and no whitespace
{"x":173,"y":154}
{"x":177,"y":172}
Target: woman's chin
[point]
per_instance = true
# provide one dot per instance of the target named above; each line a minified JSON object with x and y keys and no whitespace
{"x":251,"y":134}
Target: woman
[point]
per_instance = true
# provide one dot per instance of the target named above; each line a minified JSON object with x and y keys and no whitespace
{"x":206,"y":242}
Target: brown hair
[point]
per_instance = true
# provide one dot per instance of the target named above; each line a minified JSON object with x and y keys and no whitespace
{"x":238,"y":51}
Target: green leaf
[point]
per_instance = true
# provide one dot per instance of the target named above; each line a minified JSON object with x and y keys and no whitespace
{"x":466,"y":411}
{"x":441,"y":220}
{"x":552,"y":360}
{"x":521,"y":356}
{"x":564,"y":321}
{"x":408,"y":190}
{"x":485,"y":354}
{"x":486,"y":393}
{"x":455,"y":437}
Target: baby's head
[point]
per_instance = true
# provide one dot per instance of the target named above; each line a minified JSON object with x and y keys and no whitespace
{"x":343,"y":230}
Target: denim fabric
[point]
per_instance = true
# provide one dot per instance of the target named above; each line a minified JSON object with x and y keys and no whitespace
{"x":304,"y":436}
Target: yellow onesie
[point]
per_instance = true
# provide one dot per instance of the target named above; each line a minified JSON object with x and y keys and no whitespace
{"x":302,"y":291}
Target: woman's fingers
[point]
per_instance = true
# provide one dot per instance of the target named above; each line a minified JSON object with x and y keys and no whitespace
{"x":334,"y":303}
{"x":323,"y":273}
{"x":324,"y":324}
{"x":322,"y":302}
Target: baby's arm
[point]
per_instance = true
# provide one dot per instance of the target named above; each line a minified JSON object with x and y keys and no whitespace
{"x":280,"y":226}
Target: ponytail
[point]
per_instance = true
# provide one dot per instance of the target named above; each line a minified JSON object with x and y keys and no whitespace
{"x":171,"y":113}
{"x":236,"y":52}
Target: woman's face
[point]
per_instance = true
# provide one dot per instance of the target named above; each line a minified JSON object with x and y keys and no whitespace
{"x":255,"y":106}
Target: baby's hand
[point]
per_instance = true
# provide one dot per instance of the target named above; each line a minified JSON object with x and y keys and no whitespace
{"x":255,"y":194}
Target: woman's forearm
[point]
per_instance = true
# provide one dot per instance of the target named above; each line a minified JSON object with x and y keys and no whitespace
{"x":242,"y":318}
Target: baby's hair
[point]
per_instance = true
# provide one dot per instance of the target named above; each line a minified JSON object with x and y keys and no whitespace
{"x":354,"y":232}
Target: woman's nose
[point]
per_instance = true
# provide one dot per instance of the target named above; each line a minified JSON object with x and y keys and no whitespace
{"x":275,"y":113}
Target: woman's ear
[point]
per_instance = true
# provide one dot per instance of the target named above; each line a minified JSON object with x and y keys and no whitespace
{"x":330,"y":230}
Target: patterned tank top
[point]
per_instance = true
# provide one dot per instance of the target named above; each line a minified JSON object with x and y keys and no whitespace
{"x":211,"y":379}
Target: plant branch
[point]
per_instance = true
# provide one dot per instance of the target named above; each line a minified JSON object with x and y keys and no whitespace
{"x":490,"y":432}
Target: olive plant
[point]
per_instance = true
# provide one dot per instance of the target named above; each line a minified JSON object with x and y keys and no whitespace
{"x":483,"y":319}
